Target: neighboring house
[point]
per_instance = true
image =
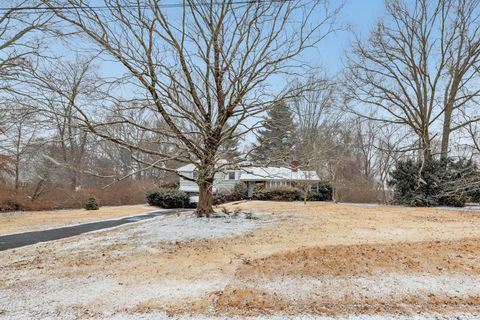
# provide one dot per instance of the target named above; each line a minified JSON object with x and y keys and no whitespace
{"x":269,"y":177}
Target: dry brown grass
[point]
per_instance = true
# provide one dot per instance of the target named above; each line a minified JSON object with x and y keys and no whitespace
{"x":344,"y":241}
{"x":315,"y":240}
{"x":367,"y":260}
{"x":346,"y":262}
{"x":16,"y":222}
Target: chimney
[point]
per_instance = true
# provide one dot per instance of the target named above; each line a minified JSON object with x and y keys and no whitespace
{"x":294,"y":165}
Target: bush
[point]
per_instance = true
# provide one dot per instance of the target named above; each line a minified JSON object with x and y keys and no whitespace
{"x":278,"y":194}
{"x":324,"y":193}
{"x":240,"y":190}
{"x":224,"y":197}
{"x":261,"y":194}
{"x":454,"y":201}
{"x":168,"y":198}
{"x":91,"y":204}
{"x":433,"y":183}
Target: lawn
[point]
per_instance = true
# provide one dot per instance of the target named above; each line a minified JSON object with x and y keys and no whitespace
{"x":19,"y":221}
{"x":318,"y":259}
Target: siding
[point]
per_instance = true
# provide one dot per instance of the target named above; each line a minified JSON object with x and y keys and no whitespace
{"x":219,"y":183}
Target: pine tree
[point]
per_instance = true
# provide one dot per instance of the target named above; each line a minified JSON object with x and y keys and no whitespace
{"x":276,"y":142}
{"x":229,"y":150}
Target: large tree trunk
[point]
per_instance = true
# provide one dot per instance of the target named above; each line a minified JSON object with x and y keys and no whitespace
{"x":205,"y":199}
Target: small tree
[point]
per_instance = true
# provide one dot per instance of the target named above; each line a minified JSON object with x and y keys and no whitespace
{"x":92,"y":204}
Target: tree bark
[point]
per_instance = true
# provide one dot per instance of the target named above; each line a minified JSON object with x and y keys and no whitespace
{"x":447,"y":119}
{"x":426,"y":145}
{"x":73,"y":181}
{"x":205,"y":197}
{"x":17,"y":173}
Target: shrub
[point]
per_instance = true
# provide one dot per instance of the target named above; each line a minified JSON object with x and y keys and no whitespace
{"x":91,"y":204}
{"x":240,"y":190}
{"x":261,"y":194}
{"x":323,"y":193}
{"x":278,"y":194}
{"x":224,"y":197}
{"x":433,"y":183}
{"x":168,"y":198}
{"x":454,"y":201}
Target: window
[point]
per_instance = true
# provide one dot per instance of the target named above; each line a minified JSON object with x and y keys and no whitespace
{"x":230,"y":175}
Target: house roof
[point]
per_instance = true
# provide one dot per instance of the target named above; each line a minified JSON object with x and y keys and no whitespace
{"x":191,"y":167}
{"x":267,"y":173}
{"x":276,"y":173}
{"x":186,"y":168}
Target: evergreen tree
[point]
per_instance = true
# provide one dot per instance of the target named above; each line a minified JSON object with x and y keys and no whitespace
{"x":276,"y":142}
{"x":229,"y":150}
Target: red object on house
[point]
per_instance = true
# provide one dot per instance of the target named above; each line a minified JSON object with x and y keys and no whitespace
{"x":294,"y":165}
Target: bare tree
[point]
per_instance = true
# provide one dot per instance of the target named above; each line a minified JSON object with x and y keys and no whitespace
{"x":313,"y":108}
{"x":6,"y":161}
{"x":19,"y":44}
{"x":19,"y":41}
{"x":19,"y":136}
{"x":203,"y":69}
{"x":57,"y":90}
{"x":316,"y":105}
{"x":420,"y":62}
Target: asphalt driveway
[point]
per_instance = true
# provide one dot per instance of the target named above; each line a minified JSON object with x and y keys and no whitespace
{"x":18,"y":240}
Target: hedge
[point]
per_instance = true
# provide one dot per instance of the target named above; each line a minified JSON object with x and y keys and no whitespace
{"x":224,"y":197}
{"x":168,"y":198}
{"x":278,"y":194}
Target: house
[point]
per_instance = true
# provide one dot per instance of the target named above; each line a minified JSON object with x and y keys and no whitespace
{"x":268,"y":177}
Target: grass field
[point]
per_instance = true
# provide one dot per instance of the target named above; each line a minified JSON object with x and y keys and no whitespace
{"x":15,"y":222}
{"x":319,"y":259}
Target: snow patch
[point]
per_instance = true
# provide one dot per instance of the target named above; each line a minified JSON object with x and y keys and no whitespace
{"x":172,"y":229}
{"x":392,"y":285}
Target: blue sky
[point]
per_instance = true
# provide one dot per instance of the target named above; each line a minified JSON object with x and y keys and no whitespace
{"x":360,"y":16}
{"x":357,"y":15}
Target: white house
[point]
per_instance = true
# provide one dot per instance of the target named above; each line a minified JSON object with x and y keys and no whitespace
{"x":269,"y":177}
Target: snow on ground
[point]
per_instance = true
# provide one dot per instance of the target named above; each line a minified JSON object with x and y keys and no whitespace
{"x":432,"y":316}
{"x":469,"y":207}
{"x":188,"y":227}
{"x":387,"y":285}
{"x":132,"y":271}
{"x":181,"y":228}
{"x":53,"y":298}
{"x":28,"y":294}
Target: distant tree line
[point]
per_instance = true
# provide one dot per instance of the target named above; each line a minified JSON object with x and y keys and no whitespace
{"x":192,"y":91}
